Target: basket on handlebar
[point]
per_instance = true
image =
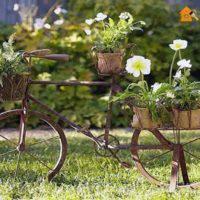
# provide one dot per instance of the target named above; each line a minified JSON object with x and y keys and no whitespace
{"x":13,"y":88}
{"x":15,"y":69}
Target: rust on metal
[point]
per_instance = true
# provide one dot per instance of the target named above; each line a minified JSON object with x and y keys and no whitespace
{"x":72,"y":83}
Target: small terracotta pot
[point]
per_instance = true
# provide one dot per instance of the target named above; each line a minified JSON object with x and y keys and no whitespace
{"x":186,"y":119}
{"x":109,"y":63}
{"x":142,"y":119}
{"x":14,"y":87}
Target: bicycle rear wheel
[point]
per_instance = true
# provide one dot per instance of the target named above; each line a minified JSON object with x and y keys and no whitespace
{"x":44,"y":151}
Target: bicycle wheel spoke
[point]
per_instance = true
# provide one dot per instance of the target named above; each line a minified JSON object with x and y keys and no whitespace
{"x":17,"y":167}
{"x":155,"y":157}
{"x":191,"y":141}
{"x":192,"y":154}
{"x":41,"y":162}
{"x":113,"y":140}
{"x":43,"y":141}
{"x":7,"y":139}
{"x":3,"y":154}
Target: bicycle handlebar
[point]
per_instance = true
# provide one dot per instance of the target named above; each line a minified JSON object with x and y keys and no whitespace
{"x":58,"y":57}
{"x":45,"y":53}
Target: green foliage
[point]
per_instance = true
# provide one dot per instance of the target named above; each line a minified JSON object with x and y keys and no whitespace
{"x":142,"y":96}
{"x":187,"y":95}
{"x":162,"y":27}
{"x":10,"y":61}
{"x":112,"y":36}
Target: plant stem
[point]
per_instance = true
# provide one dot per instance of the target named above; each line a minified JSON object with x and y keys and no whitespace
{"x":180,"y":57}
{"x":50,"y":11}
{"x":103,"y":25}
{"x":171,"y":68}
{"x":142,"y":77}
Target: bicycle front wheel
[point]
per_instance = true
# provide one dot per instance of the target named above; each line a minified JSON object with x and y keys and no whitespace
{"x":44,"y":150}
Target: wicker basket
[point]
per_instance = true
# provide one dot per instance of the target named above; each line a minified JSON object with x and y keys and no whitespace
{"x":14,"y":87}
{"x":109,"y":63}
{"x":142,"y":119}
{"x":186,"y":119}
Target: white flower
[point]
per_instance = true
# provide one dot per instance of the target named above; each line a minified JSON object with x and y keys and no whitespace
{"x":100,"y":17}
{"x":170,"y":94}
{"x":59,"y":22}
{"x":178,"y":75}
{"x":89,"y":21}
{"x":184,"y":64}
{"x":142,"y":23}
{"x":88,"y":31}
{"x":16,"y":7}
{"x":59,"y":10}
{"x":45,"y":76}
{"x":47,"y":26}
{"x":137,"y":65}
{"x":156,"y":86}
{"x":124,"y":15}
{"x":178,"y":44}
{"x":157,"y":99}
{"x":39,"y":23}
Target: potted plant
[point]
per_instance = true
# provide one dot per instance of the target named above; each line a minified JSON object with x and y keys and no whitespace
{"x":148,"y":103}
{"x":13,"y":73}
{"x":111,"y":40}
{"x":186,"y":101}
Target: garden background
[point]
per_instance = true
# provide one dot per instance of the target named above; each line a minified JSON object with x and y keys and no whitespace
{"x":87,"y":105}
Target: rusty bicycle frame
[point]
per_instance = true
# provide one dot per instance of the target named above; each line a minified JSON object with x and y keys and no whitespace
{"x":178,"y":159}
{"x":177,"y":148}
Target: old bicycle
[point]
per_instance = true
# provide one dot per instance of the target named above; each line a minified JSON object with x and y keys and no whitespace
{"x":169,"y":151}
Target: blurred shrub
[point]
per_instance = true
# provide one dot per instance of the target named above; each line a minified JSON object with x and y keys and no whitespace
{"x":88,"y":105}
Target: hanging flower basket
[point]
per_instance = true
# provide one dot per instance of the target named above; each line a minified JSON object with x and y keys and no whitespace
{"x":13,"y":88}
{"x":186,"y":119}
{"x":142,"y":119}
{"x":109,"y":63}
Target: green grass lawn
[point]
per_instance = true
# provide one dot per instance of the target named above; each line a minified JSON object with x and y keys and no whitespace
{"x":88,"y":176}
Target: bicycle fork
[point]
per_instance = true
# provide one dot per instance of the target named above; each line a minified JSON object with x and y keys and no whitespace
{"x":22,"y":129}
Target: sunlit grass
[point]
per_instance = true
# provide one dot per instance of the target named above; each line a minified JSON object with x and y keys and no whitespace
{"x":88,"y":176}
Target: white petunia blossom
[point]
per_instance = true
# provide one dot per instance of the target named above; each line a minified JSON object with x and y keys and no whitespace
{"x":59,"y":10}
{"x":184,"y":64}
{"x":59,"y":22}
{"x":100,"y":17}
{"x":156,"y":86}
{"x":16,"y":7}
{"x":88,"y":31}
{"x":47,"y":26}
{"x":89,"y":21}
{"x":137,"y":65}
{"x":39,"y":23}
{"x":170,"y":94}
{"x":178,"y":44}
{"x":178,"y":75}
{"x":124,"y":15}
